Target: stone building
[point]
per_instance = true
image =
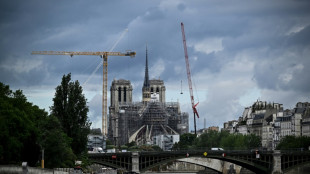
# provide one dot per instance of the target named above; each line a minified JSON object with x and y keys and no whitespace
{"x":166,"y":142}
{"x":95,"y":139}
{"x":272,"y":123}
{"x":230,"y":126}
{"x":306,"y":126}
{"x":142,"y":121}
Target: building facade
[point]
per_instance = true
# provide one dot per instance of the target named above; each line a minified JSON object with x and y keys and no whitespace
{"x":142,"y":121}
{"x":165,"y":142}
{"x":95,"y":139}
{"x":271,"y":122}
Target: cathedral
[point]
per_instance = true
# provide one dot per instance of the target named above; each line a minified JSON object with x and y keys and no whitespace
{"x":143,"y":121}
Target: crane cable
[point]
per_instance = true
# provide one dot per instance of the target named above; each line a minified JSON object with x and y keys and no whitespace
{"x":101,"y":62}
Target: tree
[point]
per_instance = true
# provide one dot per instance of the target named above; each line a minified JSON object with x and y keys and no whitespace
{"x":186,"y":141}
{"x":253,"y":141}
{"x":240,"y":142}
{"x":19,"y":127}
{"x":71,"y":110}
{"x":210,"y":139}
{"x":292,"y":142}
{"x":218,"y":139}
{"x":131,"y":144}
{"x":56,"y":144}
{"x":228,"y":142}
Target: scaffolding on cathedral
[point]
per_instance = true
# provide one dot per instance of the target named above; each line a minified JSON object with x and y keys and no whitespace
{"x":143,"y":121}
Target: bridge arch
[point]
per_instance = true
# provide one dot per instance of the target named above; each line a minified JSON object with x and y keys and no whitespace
{"x":302,"y":168}
{"x":254,"y":167}
{"x":148,"y":160}
{"x":106,"y":164}
{"x":216,"y":166}
{"x":191,"y":160}
{"x":268,"y":162}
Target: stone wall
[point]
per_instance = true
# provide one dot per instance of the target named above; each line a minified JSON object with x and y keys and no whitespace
{"x":31,"y":170}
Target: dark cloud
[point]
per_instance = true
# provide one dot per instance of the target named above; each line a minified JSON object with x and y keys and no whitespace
{"x":229,"y":43}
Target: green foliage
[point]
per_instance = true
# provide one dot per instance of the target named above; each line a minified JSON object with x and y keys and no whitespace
{"x":56,"y":145}
{"x":292,"y":142}
{"x":85,"y":160}
{"x":218,"y":139}
{"x":19,"y":127}
{"x":131,"y":144}
{"x":228,"y":142}
{"x":210,"y":139}
{"x":111,"y":147}
{"x":145,"y":147}
{"x":253,"y":141}
{"x":71,"y":110}
{"x":26,"y":130}
{"x":108,"y":142}
{"x":123,"y":147}
{"x":133,"y":148}
{"x":240,"y":142}
{"x":156,"y":148}
{"x":186,"y":141}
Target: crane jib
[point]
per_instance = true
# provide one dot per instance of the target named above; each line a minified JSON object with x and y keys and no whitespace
{"x":103,"y":55}
{"x":72,"y":53}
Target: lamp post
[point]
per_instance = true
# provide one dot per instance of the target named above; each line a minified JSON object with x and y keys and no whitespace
{"x":42,"y":163}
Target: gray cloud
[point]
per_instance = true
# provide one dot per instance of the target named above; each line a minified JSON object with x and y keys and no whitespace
{"x":234,"y":48}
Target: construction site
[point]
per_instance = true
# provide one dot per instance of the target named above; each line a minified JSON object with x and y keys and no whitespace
{"x":148,"y":120}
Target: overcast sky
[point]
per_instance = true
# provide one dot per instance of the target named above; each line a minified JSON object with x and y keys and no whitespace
{"x":239,"y":51}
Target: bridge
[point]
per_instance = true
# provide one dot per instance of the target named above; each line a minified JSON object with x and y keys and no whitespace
{"x":268,"y":162}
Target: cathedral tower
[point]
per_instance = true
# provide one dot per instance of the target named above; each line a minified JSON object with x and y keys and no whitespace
{"x":121,"y":94}
{"x":146,"y":94}
{"x":152,"y":90}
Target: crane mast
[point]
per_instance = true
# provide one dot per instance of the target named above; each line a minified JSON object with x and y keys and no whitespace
{"x":189,"y":79}
{"x":104,"y":56}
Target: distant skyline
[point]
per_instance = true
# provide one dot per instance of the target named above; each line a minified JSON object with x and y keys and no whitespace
{"x":239,"y":51}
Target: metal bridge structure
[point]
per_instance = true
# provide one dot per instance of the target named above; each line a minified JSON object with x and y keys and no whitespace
{"x":259,"y":162}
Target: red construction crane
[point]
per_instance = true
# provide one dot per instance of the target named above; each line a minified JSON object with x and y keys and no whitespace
{"x":189,"y":79}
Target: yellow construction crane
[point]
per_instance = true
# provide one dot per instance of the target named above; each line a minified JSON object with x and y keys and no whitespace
{"x":104,"y":56}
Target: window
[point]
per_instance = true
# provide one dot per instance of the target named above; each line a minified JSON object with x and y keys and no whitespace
{"x":125,"y":90}
{"x":119,"y":94}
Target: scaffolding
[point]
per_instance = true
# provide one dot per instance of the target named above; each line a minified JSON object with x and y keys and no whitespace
{"x":140,"y":122}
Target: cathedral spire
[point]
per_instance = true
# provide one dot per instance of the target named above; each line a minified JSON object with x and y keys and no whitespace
{"x":146,"y":77}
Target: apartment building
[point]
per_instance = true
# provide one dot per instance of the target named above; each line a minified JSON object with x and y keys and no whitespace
{"x":271,"y":122}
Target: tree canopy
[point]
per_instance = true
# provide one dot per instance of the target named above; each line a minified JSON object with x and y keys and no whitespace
{"x":19,"y":121}
{"x":26,"y":129}
{"x":71,"y":110}
{"x":56,"y":144}
{"x":218,"y":139}
{"x":186,"y":141}
{"x":293,"y":143}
